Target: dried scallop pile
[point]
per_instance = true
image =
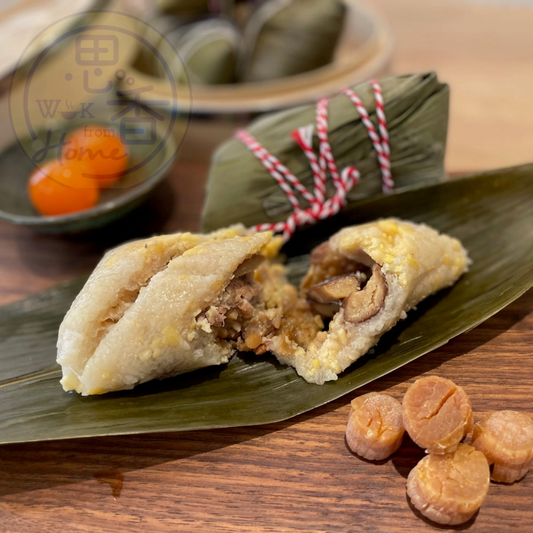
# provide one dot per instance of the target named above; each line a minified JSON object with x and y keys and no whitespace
{"x":450,"y":484}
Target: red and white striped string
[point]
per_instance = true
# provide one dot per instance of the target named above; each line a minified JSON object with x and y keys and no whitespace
{"x":321,"y":207}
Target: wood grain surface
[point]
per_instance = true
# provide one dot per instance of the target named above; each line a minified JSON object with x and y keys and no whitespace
{"x":296,"y":475}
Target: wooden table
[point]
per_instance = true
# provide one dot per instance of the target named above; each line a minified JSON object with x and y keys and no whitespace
{"x":297,"y":475}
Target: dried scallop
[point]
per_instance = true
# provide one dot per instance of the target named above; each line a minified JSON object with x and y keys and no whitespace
{"x":506,"y":439}
{"x":450,"y":488}
{"x":437,"y":414}
{"x":375,"y":429}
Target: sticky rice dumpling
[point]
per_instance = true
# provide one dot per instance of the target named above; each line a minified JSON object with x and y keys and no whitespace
{"x":287,"y":37}
{"x":416,"y":107}
{"x":367,"y":278}
{"x":208,"y":51}
{"x":183,"y":7}
{"x":167,"y":305}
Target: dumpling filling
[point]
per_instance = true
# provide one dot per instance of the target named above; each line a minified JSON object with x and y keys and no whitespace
{"x":260,"y":308}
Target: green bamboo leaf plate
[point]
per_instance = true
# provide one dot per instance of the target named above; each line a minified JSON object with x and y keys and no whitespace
{"x":491,"y":213}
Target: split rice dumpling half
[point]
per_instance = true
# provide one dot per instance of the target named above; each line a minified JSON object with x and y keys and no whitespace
{"x":367,"y":277}
{"x":172,"y":304}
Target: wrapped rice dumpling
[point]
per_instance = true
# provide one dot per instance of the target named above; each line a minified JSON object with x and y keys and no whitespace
{"x":184,"y":7}
{"x":240,"y":189}
{"x":287,"y":37}
{"x":146,"y":61}
{"x":208,"y":50}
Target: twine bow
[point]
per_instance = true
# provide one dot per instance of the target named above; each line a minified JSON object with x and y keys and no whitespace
{"x":321,"y":207}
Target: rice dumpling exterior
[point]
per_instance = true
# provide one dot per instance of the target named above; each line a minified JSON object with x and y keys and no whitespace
{"x":287,"y":37}
{"x":240,"y":189}
{"x":208,"y":50}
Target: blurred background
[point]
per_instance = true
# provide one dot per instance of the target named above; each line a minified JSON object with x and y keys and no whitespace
{"x":484,"y":50}
{"x":240,"y":59}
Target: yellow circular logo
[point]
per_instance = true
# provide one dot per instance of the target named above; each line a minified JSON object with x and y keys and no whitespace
{"x":96,"y":94}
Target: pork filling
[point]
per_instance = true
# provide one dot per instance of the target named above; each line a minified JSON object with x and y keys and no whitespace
{"x":251,"y":315}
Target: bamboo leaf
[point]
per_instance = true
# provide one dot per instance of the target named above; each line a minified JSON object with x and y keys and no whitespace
{"x":491,"y":213}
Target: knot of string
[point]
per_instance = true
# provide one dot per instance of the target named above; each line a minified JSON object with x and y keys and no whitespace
{"x":319,"y":206}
